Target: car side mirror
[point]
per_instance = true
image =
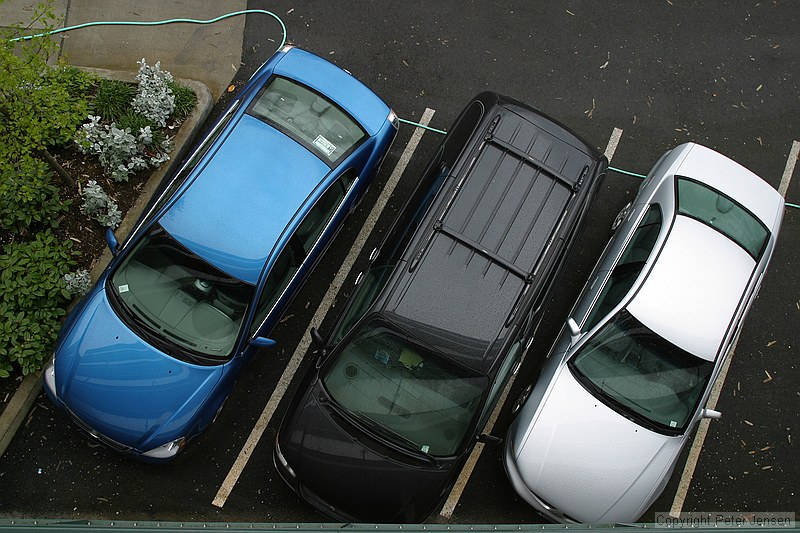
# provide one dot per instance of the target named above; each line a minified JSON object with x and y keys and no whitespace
{"x":486,"y":438}
{"x":574,"y":330}
{"x":710,"y":413}
{"x":262,"y":342}
{"x":112,"y":242}
{"x":317,"y":339}
{"x":319,"y":344}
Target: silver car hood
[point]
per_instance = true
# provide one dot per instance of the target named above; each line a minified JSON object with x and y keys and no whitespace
{"x":586,"y":460}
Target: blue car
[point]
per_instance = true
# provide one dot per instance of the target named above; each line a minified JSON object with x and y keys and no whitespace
{"x":147,"y":359}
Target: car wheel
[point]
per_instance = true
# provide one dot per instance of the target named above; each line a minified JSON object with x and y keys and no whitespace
{"x":521,"y":399}
{"x":620,"y":218}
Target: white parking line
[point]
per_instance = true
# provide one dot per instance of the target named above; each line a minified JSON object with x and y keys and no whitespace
{"x":716,"y":390}
{"x":450,"y":504}
{"x":794,"y":154}
{"x":283,"y":383}
{"x":611,"y":147}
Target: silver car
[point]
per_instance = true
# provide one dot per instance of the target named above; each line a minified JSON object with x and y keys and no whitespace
{"x":596,"y":438}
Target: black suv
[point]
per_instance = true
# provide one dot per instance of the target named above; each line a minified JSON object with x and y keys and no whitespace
{"x":437,"y":325}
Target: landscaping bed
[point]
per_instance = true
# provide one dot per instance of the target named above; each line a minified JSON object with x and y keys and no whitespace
{"x":58,"y":198}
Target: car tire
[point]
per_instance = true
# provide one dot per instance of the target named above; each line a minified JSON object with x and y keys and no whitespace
{"x":620,"y":218}
{"x":521,"y":399}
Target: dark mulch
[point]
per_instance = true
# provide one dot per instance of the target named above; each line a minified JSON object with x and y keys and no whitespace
{"x":88,"y":235}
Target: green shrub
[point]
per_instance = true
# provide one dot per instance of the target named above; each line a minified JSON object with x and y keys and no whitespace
{"x":185,"y":100}
{"x":77,"y":82}
{"x":33,"y":296}
{"x":28,"y":197}
{"x":113,"y":99}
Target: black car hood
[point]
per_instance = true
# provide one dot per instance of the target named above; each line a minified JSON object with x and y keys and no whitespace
{"x":350,"y":476}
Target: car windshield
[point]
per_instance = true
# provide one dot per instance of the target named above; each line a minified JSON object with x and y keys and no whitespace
{"x":409,"y":394}
{"x":178,"y":300}
{"x":723,"y":214}
{"x":642,"y":375}
{"x":308,"y":117}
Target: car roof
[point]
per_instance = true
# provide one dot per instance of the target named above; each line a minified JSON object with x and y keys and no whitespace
{"x":241,"y":202}
{"x":338,"y":85}
{"x":732,"y":179}
{"x":694,"y":288}
{"x":486,"y":248}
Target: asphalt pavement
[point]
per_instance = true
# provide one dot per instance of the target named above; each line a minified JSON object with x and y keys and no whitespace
{"x":661,"y":72}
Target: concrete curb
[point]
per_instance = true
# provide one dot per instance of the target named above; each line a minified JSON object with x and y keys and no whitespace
{"x":20,"y":404}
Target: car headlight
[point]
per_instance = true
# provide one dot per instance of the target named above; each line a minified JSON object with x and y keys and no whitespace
{"x":166,"y":451}
{"x":50,"y":375}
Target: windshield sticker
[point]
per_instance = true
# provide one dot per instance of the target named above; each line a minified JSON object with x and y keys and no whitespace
{"x":123,"y":288}
{"x":324,"y":145}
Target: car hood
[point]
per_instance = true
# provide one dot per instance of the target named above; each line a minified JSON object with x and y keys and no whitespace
{"x":122,"y":387}
{"x":588,"y":461}
{"x":349,"y":476}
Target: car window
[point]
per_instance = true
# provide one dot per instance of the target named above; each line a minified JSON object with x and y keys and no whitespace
{"x":725,"y":215}
{"x":642,"y":375}
{"x":178,"y":301}
{"x":300,"y":246}
{"x":501,"y":379}
{"x":402,"y":391}
{"x":283,"y":270}
{"x":627,"y":269}
{"x":308,"y":117}
{"x":318,"y":216}
{"x":368,"y":290}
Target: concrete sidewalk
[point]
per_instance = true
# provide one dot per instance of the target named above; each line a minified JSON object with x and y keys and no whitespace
{"x":208,"y":53}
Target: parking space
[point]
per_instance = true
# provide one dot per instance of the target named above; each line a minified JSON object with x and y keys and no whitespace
{"x":634,"y":80}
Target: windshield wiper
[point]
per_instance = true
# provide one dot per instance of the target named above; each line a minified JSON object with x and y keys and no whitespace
{"x":367,"y":426}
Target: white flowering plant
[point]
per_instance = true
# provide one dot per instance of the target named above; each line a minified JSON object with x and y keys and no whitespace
{"x":100,"y":206}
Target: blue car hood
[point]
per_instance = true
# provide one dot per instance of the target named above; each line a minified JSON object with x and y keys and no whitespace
{"x":119,"y":385}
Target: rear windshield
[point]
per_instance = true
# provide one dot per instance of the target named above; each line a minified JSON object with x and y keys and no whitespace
{"x":727,"y":216}
{"x":307,"y":117}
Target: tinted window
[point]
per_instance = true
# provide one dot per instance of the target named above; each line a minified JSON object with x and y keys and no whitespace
{"x":318,"y":217}
{"x":307,"y":117}
{"x":299,"y":247}
{"x":630,"y":264}
{"x":461,"y":132}
{"x":723,"y":214}
{"x":282,"y":272}
{"x":376,"y":277}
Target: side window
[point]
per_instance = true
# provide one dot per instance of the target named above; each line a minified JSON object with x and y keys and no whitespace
{"x":282,"y":272}
{"x":627,"y":269}
{"x":368,"y":290}
{"x":318,"y":217}
{"x":394,"y":244}
{"x":299,"y":246}
{"x":500,"y":381}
